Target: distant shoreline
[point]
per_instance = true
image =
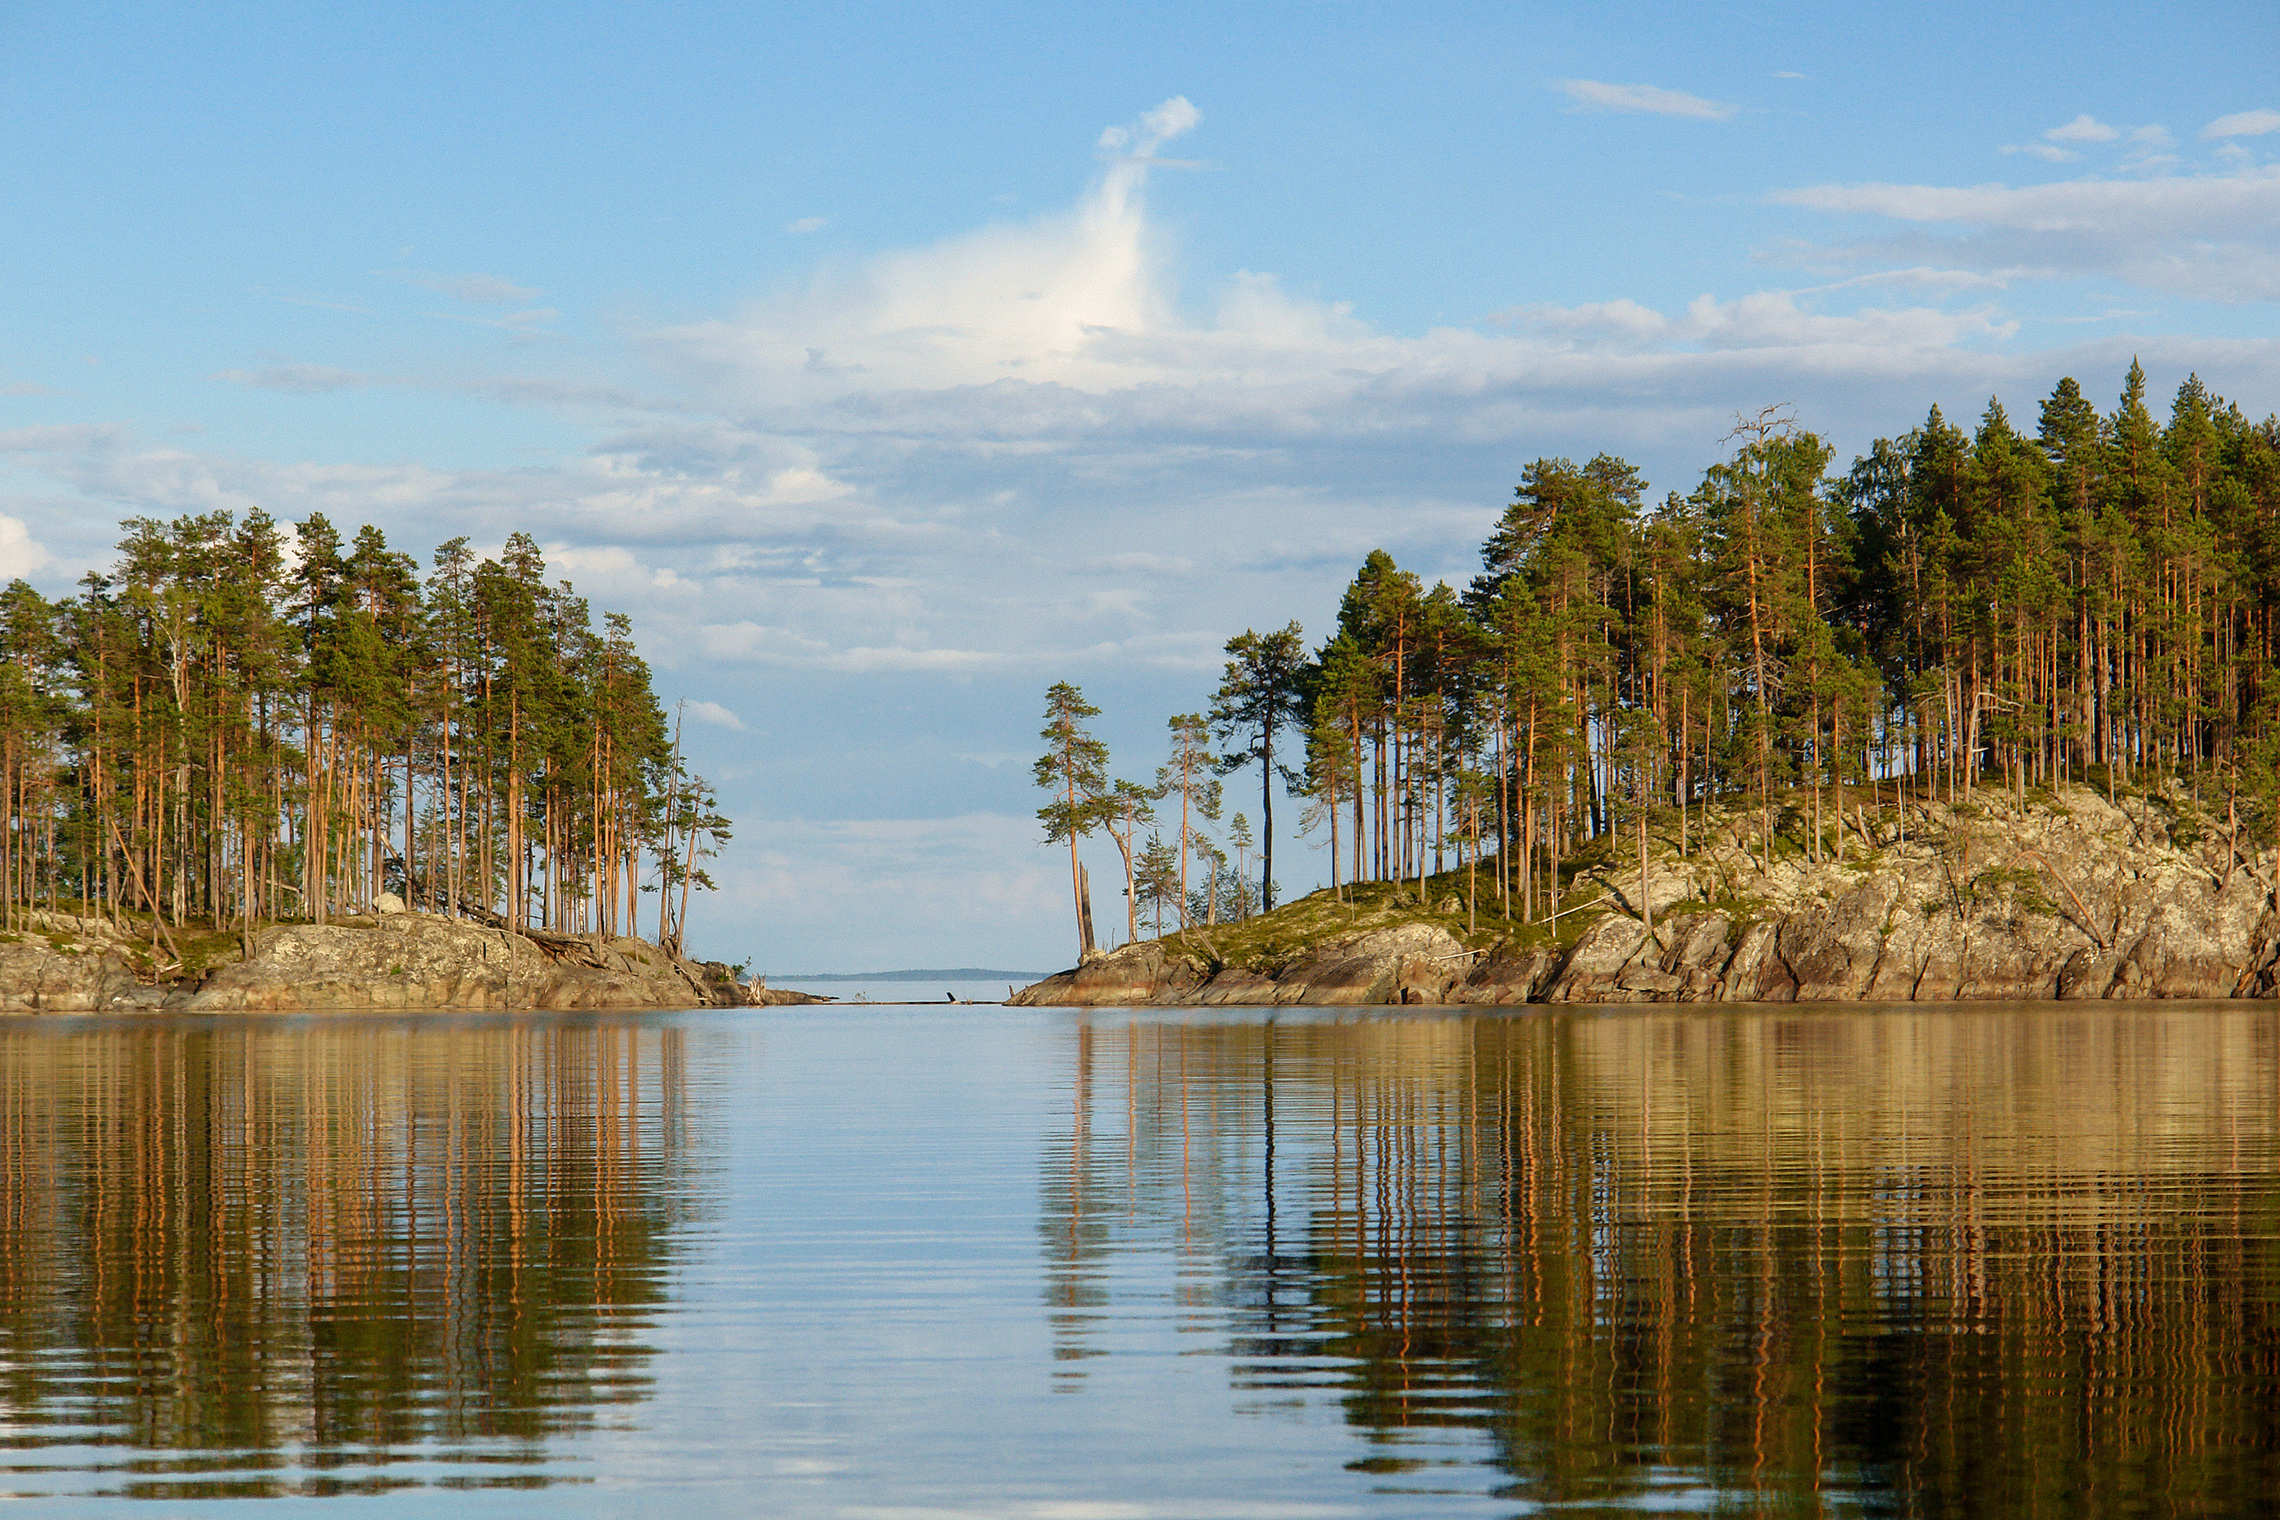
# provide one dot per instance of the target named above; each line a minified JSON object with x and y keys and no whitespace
{"x":955,"y":974}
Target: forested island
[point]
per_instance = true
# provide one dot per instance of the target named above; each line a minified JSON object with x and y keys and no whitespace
{"x":253,"y":765}
{"x":1987,"y":714}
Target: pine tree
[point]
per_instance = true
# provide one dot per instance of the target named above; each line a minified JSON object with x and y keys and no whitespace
{"x":1074,"y":769}
{"x":1260,"y":696}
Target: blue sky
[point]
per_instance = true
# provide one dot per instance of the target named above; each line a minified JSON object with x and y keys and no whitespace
{"x":887,"y":364}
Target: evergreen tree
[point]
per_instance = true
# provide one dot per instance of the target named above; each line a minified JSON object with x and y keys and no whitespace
{"x":1074,"y":769}
{"x":1260,"y":696}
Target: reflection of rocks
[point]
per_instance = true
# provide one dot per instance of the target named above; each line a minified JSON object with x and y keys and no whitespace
{"x":2085,"y":899}
{"x":417,"y":961}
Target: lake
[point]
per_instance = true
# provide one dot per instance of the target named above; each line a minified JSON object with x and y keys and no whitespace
{"x":928,"y":1262}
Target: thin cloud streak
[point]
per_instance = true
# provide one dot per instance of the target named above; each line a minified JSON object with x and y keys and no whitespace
{"x":1643,"y":99}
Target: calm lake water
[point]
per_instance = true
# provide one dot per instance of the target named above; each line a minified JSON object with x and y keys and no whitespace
{"x":978,"y":1262}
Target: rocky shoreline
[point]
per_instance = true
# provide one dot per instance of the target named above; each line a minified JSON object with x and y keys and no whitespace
{"x":405,"y":961}
{"x":2051,"y":896}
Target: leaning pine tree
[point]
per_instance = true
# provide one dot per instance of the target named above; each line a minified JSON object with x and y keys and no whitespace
{"x":1074,"y":768}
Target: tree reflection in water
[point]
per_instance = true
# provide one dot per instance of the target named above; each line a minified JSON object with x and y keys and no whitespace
{"x":1991,"y":1261}
{"x":327,"y":1256}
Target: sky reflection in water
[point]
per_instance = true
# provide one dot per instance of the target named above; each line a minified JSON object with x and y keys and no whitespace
{"x":982,"y":1262}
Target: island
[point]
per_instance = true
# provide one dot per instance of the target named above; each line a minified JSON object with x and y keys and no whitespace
{"x":253,"y":767}
{"x":2059,"y":893}
{"x":392,"y":959}
{"x":1989,"y":714}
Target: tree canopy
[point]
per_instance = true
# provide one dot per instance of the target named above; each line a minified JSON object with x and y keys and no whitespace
{"x":2091,"y":602}
{"x":240,"y":722}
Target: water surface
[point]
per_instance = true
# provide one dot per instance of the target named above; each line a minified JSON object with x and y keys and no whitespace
{"x":928,"y":1261}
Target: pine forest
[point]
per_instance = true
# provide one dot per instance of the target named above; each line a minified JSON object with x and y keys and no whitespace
{"x":242,"y":723}
{"x":2090,"y":602}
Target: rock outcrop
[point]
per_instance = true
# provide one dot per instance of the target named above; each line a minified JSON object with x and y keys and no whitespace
{"x":1406,"y":963}
{"x":417,"y":961}
{"x":36,"y":977}
{"x":2062,"y":898}
{"x":59,"y":963}
{"x":396,"y":959}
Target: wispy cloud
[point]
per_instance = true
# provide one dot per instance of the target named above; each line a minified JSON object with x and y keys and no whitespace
{"x":475,"y":289}
{"x":320,"y":303}
{"x":297,"y":379}
{"x":1596,"y":95}
{"x":1014,"y":449}
{"x":716,"y":715}
{"x":1767,"y":320}
{"x":946,"y":885}
{"x":806,"y":225}
{"x":2211,"y":236}
{"x":2243,"y":124}
{"x":527,"y":322}
{"x":1176,"y":117}
{"x":2144,"y":148}
{"x":2083,"y":129}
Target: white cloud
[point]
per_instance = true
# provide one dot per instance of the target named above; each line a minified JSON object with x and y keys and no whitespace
{"x":807,"y":224}
{"x":758,"y":644}
{"x":513,"y":321}
{"x":2213,"y":236}
{"x":973,"y":889}
{"x":1768,"y":320}
{"x":297,"y":379}
{"x":1021,"y":452}
{"x":1595,"y":95}
{"x":1140,"y":562}
{"x":2083,"y":129}
{"x":2043,"y":151}
{"x":714,"y":714}
{"x":1925,"y":277}
{"x":1176,"y":117}
{"x":2244,"y":124}
{"x":20,"y":553}
{"x":476,"y":289}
